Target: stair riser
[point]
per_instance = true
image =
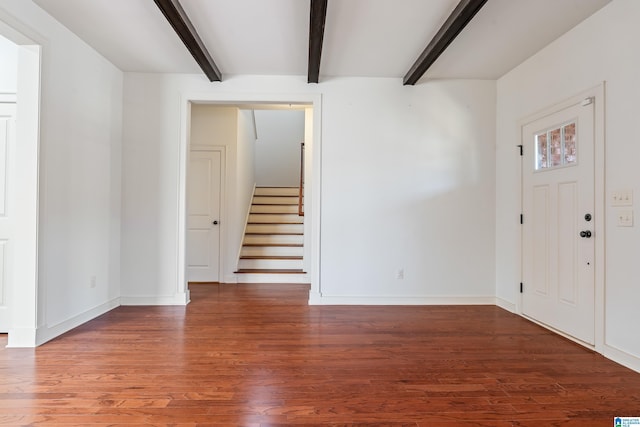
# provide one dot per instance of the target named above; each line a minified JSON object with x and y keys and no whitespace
{"x":271,"y":251}
{"x":275,"y":228}
{"x":276,"y":218}
{"x":260,"y":200}
{"x":277,"y":191}
{"x":272,"y":278}
{"x":270,"y":264}
{"x":274,"y":239}
{"x":275,"y":209}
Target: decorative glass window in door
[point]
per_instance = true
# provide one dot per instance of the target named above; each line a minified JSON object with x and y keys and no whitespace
{"x":556,"y":147}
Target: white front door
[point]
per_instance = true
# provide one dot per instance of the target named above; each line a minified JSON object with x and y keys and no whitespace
{"x":558,"y":221}
{"x":203,"y":216}
{"x":7,"y":150}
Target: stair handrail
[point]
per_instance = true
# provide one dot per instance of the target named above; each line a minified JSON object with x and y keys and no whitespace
{"x":301,"y":189}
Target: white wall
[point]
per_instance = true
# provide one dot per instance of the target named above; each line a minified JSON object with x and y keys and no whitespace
{"x":280,"y":133}
{"x":412,"y":191}
{"x":408,"y":183}
{"x":8,"y":66}
{"x":600,"y":49}
{"x":215,"y":125}
{"x":232,"y":128}
{"x":79,"y":182}
{"x":245,"y":183}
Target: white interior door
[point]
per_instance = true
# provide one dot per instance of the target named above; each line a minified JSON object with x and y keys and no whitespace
{"x":7,"y":150}
{"x":558,"y":227}
{"x":203,"y":216}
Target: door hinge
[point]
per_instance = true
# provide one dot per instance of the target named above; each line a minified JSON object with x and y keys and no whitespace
{"x":521,"y":219}
{"x":521,"y":149}
{"x":521,"y":287}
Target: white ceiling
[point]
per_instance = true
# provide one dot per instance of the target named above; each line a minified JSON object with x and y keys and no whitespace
{"x":364,"y":38}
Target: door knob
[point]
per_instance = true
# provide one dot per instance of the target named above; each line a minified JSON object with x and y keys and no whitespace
{"x":585,"y":233}
{"x":215,"y":222}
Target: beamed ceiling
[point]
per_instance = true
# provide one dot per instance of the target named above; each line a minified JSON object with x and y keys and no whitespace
{"x":415,"y":40}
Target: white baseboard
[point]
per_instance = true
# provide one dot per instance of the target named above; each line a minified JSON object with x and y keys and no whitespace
{"x":230,"y":278}
{"x":506,"y":305}
{"x":22,"y":338}
{"x":316,"y":299}
{"x":47,"y":333}
{"x":181,"y":298}
{"x":622,"y":357}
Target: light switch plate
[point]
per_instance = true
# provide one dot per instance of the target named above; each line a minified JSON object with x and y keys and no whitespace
{"x":622,"y":198}
{"x":625,"y":218}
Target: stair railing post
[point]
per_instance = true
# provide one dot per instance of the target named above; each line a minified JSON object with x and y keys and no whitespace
{"x":301,"y":190}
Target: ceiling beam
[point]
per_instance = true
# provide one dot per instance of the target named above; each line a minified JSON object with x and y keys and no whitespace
{"x":177,"y":17}
{"x":455,"y":23}
{"x":316,"y":34}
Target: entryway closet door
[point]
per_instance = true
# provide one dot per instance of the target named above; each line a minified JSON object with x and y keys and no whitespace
{"x":558,"y":226}
{"x":203,"y":216}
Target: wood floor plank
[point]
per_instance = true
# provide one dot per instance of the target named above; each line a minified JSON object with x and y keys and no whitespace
{"x":258,"y":355}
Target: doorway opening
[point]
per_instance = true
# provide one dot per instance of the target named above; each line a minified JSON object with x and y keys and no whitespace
{"x":234,"y":204}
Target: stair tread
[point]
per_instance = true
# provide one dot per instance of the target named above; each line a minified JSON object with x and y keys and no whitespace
{"x":253,"y":221}
{"x":293,"y":201}
{"x":267,"y":233}
{"x":267,"y":239}
{"x":274,"y":223}
{"x":275,"y":204}
{"x":278,"y":224}
{"x":276,"y":257}
{"x":270,"y":271}
{"x":283,"y":209}
{"x":285,"y":214}
{"x":267,"y":245}
{"x":273,"y":213}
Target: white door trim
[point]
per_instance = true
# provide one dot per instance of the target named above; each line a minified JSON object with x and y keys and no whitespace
{"x":28,"y":300}
{"x":597,"y":94}
{"x":223,"y":200}
{"x":312,"y":176}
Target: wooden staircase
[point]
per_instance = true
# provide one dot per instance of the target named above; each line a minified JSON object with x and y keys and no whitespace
{"x":273,"y":245}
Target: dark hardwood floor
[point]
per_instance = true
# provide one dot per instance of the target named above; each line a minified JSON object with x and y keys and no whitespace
{"x":257,"y":355}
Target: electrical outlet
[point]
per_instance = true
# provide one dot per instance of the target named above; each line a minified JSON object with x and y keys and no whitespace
{"x":625,"y":218}
{"x":622,"y":198}
{"x":400,"y":274}
{"x":92,"y":284}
